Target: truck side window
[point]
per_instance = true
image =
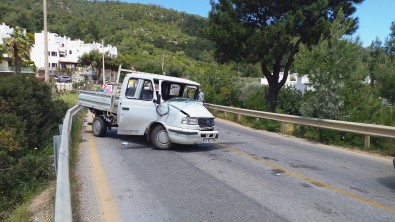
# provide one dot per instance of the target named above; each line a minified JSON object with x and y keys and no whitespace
{"x":131,"y":88}
{"x":147,"y":92}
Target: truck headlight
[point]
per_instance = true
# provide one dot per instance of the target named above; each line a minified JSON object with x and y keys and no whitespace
{"x":189,"y":121}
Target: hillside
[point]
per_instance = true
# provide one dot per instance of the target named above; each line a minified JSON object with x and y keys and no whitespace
{"x":140,"y":32}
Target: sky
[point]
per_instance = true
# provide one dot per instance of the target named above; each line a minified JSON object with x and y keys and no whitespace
{"x":375,"y":16}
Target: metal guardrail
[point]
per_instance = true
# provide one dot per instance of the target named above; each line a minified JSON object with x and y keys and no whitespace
{"x":63,"y":197}
{"x":359,"y":128}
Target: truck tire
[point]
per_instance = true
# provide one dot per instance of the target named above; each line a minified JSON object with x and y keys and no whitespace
{"x":99,"y":126}
{"x":160,"y":139}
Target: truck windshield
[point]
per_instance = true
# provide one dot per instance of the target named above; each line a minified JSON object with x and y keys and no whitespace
{"x":178,"y":90}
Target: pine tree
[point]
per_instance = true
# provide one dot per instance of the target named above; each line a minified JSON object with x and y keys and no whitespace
{"x":270,"y":32}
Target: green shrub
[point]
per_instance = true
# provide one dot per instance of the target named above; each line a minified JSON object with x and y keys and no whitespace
{"x":29,"y":118}
{"x":31,"y":101}
{"x":252,"y":96}
{"x":269,"y":125}
{"x":289,"y":101}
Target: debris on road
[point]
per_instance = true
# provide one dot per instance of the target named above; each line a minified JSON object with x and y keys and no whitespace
{"x":277,"y":172}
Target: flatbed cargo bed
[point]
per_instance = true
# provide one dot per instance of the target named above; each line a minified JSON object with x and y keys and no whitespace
{"x":99,"y":100}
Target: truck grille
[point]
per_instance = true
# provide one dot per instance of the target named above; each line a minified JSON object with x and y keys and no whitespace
{"x":206,"y":122}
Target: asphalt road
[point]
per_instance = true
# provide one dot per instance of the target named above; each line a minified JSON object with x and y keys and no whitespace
{"x":249,"y":175}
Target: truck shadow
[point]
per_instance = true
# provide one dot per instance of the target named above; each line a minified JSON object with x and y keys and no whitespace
{"x":194,"y":148}
{"x":388,"y":182}
{"x":140,"y":142}
{"x":129,"y":142}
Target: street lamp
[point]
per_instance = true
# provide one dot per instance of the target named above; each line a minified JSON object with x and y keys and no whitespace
{"x":104,"y":72}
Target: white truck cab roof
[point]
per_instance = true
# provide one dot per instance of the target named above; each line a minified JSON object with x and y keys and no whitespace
{"x":160,"y":77}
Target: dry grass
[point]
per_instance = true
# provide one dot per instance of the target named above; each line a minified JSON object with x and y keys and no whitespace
{"x":40,"y":209}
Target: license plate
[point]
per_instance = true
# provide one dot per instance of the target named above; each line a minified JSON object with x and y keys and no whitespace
{"x":208,"y":140}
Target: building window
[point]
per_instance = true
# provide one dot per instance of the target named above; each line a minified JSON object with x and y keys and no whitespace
{"x":70,"y":52}
{"x":54,"y":54}
{"x":54,"y":65}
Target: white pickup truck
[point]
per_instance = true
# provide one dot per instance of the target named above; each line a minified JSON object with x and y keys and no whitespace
{"x":162,"y":108}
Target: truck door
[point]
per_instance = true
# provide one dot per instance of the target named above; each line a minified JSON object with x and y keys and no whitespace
{"x":136,"y":108}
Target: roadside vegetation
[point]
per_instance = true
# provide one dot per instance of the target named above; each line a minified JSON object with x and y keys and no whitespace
{"x":27,"y":162}
{"x":70,"y":99}
{"x":29,"y":118}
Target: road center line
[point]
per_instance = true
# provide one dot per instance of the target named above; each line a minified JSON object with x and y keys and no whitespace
{"x":107,"y":205}
{"x":308,"y":179}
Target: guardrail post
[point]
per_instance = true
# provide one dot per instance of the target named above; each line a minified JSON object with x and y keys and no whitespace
{"x":367,"y":142}
{"x":238,"y":118}
{"x":282,"y":128}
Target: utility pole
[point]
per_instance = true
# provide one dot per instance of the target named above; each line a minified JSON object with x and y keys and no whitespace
{"x":46,"y":72}
{"x":104,"y":72}
{"x":163,"y":61}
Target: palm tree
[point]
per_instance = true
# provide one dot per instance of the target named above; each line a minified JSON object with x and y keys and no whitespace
{"x":2,"y":51}
{"x":19,"y":44}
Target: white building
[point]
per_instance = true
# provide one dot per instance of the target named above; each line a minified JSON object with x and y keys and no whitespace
{"x":64,"y":52}
{"x":298,"y":81}
{"x":5,"y":32}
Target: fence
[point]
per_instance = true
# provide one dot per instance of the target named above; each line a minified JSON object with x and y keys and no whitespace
{"x":62,"y":86}
{"x":359,"y":128}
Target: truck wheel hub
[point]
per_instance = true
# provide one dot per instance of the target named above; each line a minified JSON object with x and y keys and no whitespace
{"x":96,"y":126}
{"x":163,"y":137}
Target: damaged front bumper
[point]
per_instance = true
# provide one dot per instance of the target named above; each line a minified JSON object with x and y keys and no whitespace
{"x":190,"y":136}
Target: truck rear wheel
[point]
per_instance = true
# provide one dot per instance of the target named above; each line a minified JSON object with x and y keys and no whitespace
{"x":160,"y":138}
{"x":99,"y":126}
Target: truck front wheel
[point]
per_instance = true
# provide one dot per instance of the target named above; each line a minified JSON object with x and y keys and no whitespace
{"x":99,"y":126}
{"x":160,"y":139}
